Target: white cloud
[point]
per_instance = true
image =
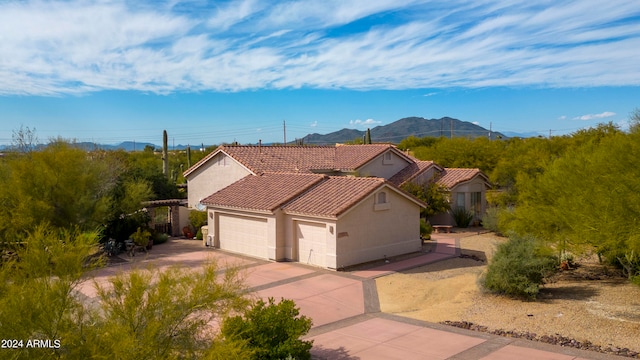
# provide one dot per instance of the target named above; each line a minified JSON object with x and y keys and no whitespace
{"x":367,"y":122}
{"x":563,"y":117}
{"x":475,"y":123}
{"x":430,"y":94}
{"x":75,"y":46}
{"x":587,"y":117}
{"x":314,"y":124}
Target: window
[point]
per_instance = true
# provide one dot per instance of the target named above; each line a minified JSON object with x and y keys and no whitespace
{"x":387,"y":158}
{"x":476,"y":203}
{"x":460,"y":200}
{"x":381,"y":202}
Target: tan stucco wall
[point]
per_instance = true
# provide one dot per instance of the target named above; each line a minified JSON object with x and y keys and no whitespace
{"x":364,"y":234}
{"x":383,"y":168}
{"x":425,"y":176}
{"x":184,"y":217}
{"x":211,"y":177}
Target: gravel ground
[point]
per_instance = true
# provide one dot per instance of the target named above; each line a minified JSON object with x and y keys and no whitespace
{"x":589,"y":307}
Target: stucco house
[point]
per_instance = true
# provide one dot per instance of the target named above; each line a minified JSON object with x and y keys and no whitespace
{"x":329,"y":206}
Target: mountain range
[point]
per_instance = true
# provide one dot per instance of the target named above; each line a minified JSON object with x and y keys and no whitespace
{"x":390,"y":133}
{"x":410,"y":126}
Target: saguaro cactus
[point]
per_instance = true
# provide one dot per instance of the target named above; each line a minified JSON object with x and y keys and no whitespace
{"x":165,"y":154}
{"x":188,"y":156}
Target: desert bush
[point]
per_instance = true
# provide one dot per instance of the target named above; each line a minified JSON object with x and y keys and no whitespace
{"x":490,"y":219}
{"x":162,"y":315}
{"x":518,"y":268}
{"x":143,"y":314}
{"x":160,"y":238}
{"x":462,"y":217}
{"x":141,"y":237}
{"x":271,"y":330}
{"x":425,"y":228}
{"x":198,"y":219}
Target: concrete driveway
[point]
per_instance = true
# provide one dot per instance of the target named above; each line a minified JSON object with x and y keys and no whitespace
{"x":347,"y":322}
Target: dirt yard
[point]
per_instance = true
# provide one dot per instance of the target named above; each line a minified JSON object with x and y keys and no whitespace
{"x":589,"y":304}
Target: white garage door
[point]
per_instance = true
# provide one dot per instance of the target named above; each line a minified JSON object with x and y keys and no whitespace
{"x":312,"y":243}
{"x":244,"y":235}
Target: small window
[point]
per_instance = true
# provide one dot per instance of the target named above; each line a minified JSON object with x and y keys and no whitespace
{"x":476,"y":203}
{"x":381,"y":202}
{"x":460,"y":201}
{"x":387,"y":159}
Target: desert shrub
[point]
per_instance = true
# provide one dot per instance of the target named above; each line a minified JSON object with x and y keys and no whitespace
{"x":271,"y":330}
{"x":198,"y":219}
{"x":199,"y":234}
{"x":160,"y":238}
{"x":425,"y":228}
{"x":162,"y":314}
{"x":518,"y":268}
{"x":490,"y":219}
{"x":462,"y":217}
{"x":141,"y":237}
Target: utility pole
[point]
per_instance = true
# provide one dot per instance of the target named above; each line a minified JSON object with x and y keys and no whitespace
{"x":490,"y":125}
{"x":284,"y":128}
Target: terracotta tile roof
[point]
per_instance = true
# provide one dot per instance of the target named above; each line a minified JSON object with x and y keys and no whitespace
{"x":283,"y":158}
{"x":451,"y":177}
{"x":333,"y":196}
{"x":411,"y":172}
{"x":351,"y":157}
{"x":263,"y":192}
{"x":301,"y":159}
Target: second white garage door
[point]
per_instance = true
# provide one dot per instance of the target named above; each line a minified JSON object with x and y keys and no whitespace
{"x":312,"y":243}
{"x":244,"y":235}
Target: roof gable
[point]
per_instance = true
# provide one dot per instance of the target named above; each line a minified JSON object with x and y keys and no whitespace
{"x":337,"y":194}
{"x":353,"y":157}
{"x":301,"y":159}
{"x":412,"y":171}
{"x":450,"y":177}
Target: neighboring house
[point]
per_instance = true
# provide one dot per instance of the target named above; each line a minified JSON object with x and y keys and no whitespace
{"x":329,"y":206}
{"x":467,"y":187}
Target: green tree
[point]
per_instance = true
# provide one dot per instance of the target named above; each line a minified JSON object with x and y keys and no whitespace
{"x":588,"y":201}
{"x":166,"y":315}
{"x":143,"y":314}
{"x":37,"y":289}
{"x":271,"y":330}
{"x":435,"y":195}
{"x":60,"y":185}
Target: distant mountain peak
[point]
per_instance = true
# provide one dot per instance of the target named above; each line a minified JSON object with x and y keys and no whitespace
{"x":405,"y":127}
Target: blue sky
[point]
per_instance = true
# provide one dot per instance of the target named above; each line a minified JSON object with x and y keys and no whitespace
{"x":218,"y":71}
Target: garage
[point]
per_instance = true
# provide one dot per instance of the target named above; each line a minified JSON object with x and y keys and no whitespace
{"x":243,"y":234}
{"x":312,"y":243}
